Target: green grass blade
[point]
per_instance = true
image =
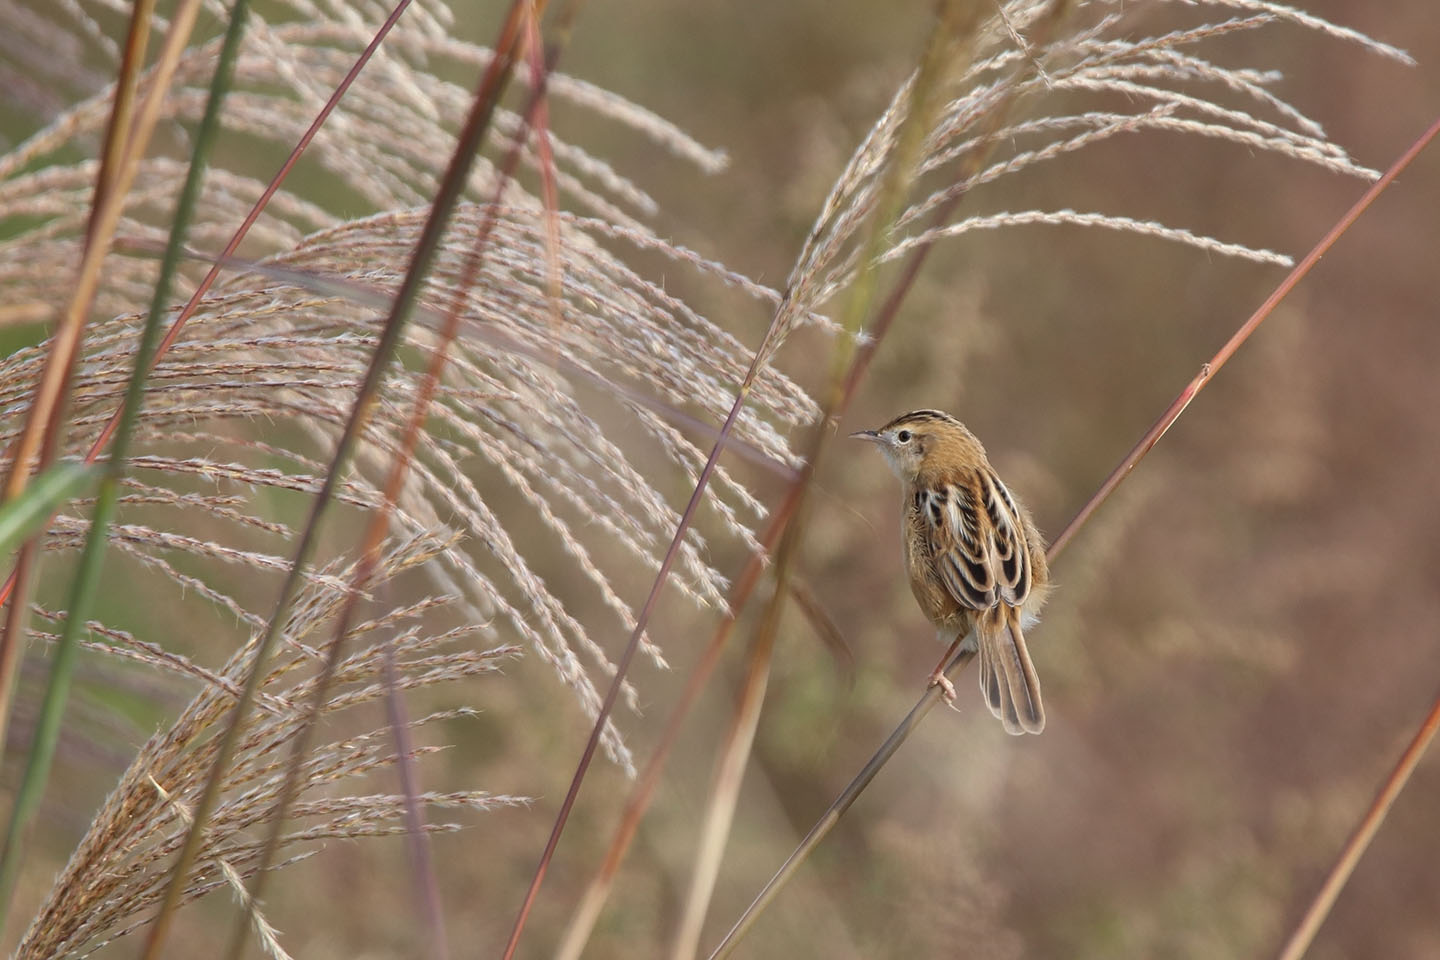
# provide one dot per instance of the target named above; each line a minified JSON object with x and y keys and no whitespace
{"x":74,"y":475}
{"x":24,"y":515}
{"x":20,"y":519}
{"x":491,"y":87}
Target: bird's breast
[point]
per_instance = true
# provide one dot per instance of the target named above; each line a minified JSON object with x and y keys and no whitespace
{"x":935,"y":601}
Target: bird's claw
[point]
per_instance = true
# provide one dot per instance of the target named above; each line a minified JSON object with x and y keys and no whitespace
{"x":947,"y":689}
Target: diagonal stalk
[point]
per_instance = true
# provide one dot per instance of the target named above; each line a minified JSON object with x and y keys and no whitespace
{"x":233,"y":244}
{"x":370,"y":557}
{"x":622,"y":667}
{"x":942,"y":58}
{"x":1304,"y":933}
{"x":118,"y":128}
{"x":832,"y":816}
{"x":44,"y":419}
{"x":1364,"y":832}
{"x":837,"y":809}
{"x":87,"y":577}
{"x":582,"y":920}
{"x":491,"y":86}
{"x":417,"y":842}
{"x":597,"y":891}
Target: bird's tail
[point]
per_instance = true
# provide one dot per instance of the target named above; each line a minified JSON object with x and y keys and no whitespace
{"x":1007,"y":677}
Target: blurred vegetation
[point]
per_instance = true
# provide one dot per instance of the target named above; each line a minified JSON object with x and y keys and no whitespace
{"x":1240,"y":642}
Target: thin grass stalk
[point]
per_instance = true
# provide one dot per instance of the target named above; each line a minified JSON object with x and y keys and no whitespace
{"x":622,"y":666}
{"x":303,"y":740}
{"x":729,"y":775}
{"x":1360,"y":838}
{"x":117,"y":129}
{"x":87,"y":577}
{"x":417,"y":844}
{"x":1238,"y":338}
{"x":956,"y":22}
{"x":47,"y":407}
{"x":370,"y":558}
{"x":44,"y":421}
{"x":238,"y":237}
{"x":832,"y":816}
{"x":12,"y":638}
{"x":910,"y":271}
{"x":837,"y":809}
{"x":583,"y":919}
{"x":549,"y":189}
{"x":491,"y":86}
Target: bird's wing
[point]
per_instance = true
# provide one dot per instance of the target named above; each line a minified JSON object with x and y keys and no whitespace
{"x":979,"y":547}
{"x":977,"y":540}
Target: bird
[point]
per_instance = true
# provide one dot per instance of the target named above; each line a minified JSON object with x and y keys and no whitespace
{"x":975,"y":559}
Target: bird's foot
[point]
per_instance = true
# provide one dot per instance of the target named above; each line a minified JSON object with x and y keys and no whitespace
{"x":947,"y":689}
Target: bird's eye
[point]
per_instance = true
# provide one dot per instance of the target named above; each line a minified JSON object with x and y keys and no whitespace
{"x":903,"y":436}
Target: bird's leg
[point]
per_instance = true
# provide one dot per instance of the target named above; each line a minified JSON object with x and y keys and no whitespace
{"x":938,"y":678}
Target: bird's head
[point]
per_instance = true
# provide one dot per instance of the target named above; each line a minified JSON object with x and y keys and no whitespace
{"x":915,"y":440}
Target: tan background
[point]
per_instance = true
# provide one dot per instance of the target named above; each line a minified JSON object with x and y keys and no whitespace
{"x":1241,"y":642}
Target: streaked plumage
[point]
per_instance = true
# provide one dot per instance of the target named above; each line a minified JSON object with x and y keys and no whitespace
{"x":973,"y":554}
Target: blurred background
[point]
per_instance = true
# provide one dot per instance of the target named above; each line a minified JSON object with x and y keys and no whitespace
{"x":1242,"y":640}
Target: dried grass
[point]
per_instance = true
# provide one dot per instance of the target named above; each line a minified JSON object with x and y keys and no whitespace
{"x":251,"y":399}
{"x":242,"y":411}
{"x":258,"y":351}
{"x":118,"y":870}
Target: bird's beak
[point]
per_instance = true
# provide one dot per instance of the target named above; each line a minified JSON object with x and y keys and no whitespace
{"x":870,"y":435}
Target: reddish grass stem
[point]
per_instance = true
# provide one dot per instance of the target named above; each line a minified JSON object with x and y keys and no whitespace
{"x":622,"y":667}
{"x":627,"y":656}
{"x":583,"y":919}
{"x":117,"y":132}
{"x":490,"y":88}
{"x":238,"y":237}
{"x":422,"y":865}
{"x":1359,"y":841}
{"x":1238,"y":338}
{"x":370,"y":558}
{"x":1369,"y":825}
{"x":945,"y":52}
{"x":892,"y":744}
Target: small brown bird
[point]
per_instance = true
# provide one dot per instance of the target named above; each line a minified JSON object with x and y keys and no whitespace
{"x":976,"y":561}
